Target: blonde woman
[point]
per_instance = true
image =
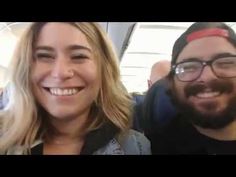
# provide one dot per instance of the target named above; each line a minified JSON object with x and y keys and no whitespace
{"x":66,"y":96}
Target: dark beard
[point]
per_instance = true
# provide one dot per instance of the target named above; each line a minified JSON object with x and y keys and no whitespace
{"x":208,"y":120}
{"x":216,"y":121}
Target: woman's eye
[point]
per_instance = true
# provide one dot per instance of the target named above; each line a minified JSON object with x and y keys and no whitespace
{"x":77,"y":57}
{"x":43,"y":56}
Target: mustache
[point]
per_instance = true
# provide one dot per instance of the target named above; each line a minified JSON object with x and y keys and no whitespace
{"x":221,"y":86}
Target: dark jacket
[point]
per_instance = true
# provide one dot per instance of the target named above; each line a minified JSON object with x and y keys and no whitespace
{"x":181,"y":137}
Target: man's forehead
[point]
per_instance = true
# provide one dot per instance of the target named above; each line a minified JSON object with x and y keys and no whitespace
{"x":206,"y":48}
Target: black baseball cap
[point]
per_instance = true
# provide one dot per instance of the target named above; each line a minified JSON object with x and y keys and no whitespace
{"x":202,"y":29}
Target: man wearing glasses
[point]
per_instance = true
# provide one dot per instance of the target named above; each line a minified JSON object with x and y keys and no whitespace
{"x":203,"y":88}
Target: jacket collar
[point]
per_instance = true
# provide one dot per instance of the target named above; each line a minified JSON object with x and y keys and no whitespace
{"x":94,"y":140}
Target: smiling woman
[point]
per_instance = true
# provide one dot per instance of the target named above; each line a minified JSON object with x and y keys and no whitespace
{"x":66,"y":96}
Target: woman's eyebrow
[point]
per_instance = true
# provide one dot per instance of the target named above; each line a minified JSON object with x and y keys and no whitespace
{"x":71,"y":47}
{"x":78,"y":47}
{"x":44,"y":48}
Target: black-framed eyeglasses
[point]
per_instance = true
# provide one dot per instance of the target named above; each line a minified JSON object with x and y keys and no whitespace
{"x":223,"y":67}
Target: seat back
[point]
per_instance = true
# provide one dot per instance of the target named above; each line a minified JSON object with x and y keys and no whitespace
{"x":157,"y":108}
{"x":137,"y":114}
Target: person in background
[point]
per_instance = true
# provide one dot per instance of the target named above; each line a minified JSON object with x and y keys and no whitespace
{"x":159,"y":70}
{"x":4,"y":97}
{"x":66,"y":96}
{"x":1,"y":101}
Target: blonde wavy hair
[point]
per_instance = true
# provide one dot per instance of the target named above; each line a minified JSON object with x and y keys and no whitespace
{"x":21,"y":122}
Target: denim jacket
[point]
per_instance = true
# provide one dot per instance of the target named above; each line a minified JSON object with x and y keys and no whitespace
{"x":135,"y":143}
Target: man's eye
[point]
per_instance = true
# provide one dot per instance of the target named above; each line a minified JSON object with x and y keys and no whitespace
{"x":190,"y":68}
{"x":226,"y":63}
{"x":187,"y":68}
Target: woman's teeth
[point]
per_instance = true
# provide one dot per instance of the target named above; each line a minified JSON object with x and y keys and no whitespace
{"x":63,"y":92}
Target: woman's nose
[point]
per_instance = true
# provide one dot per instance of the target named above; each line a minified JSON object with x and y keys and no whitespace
{"x":62,"y":70}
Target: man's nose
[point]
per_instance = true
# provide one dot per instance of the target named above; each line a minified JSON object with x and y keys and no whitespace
{"x":207,"y":74}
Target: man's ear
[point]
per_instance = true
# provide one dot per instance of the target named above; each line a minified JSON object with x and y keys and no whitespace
{"x":149,"y":83}
{"x":170,"y":81}
{"x":170,"y":84}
